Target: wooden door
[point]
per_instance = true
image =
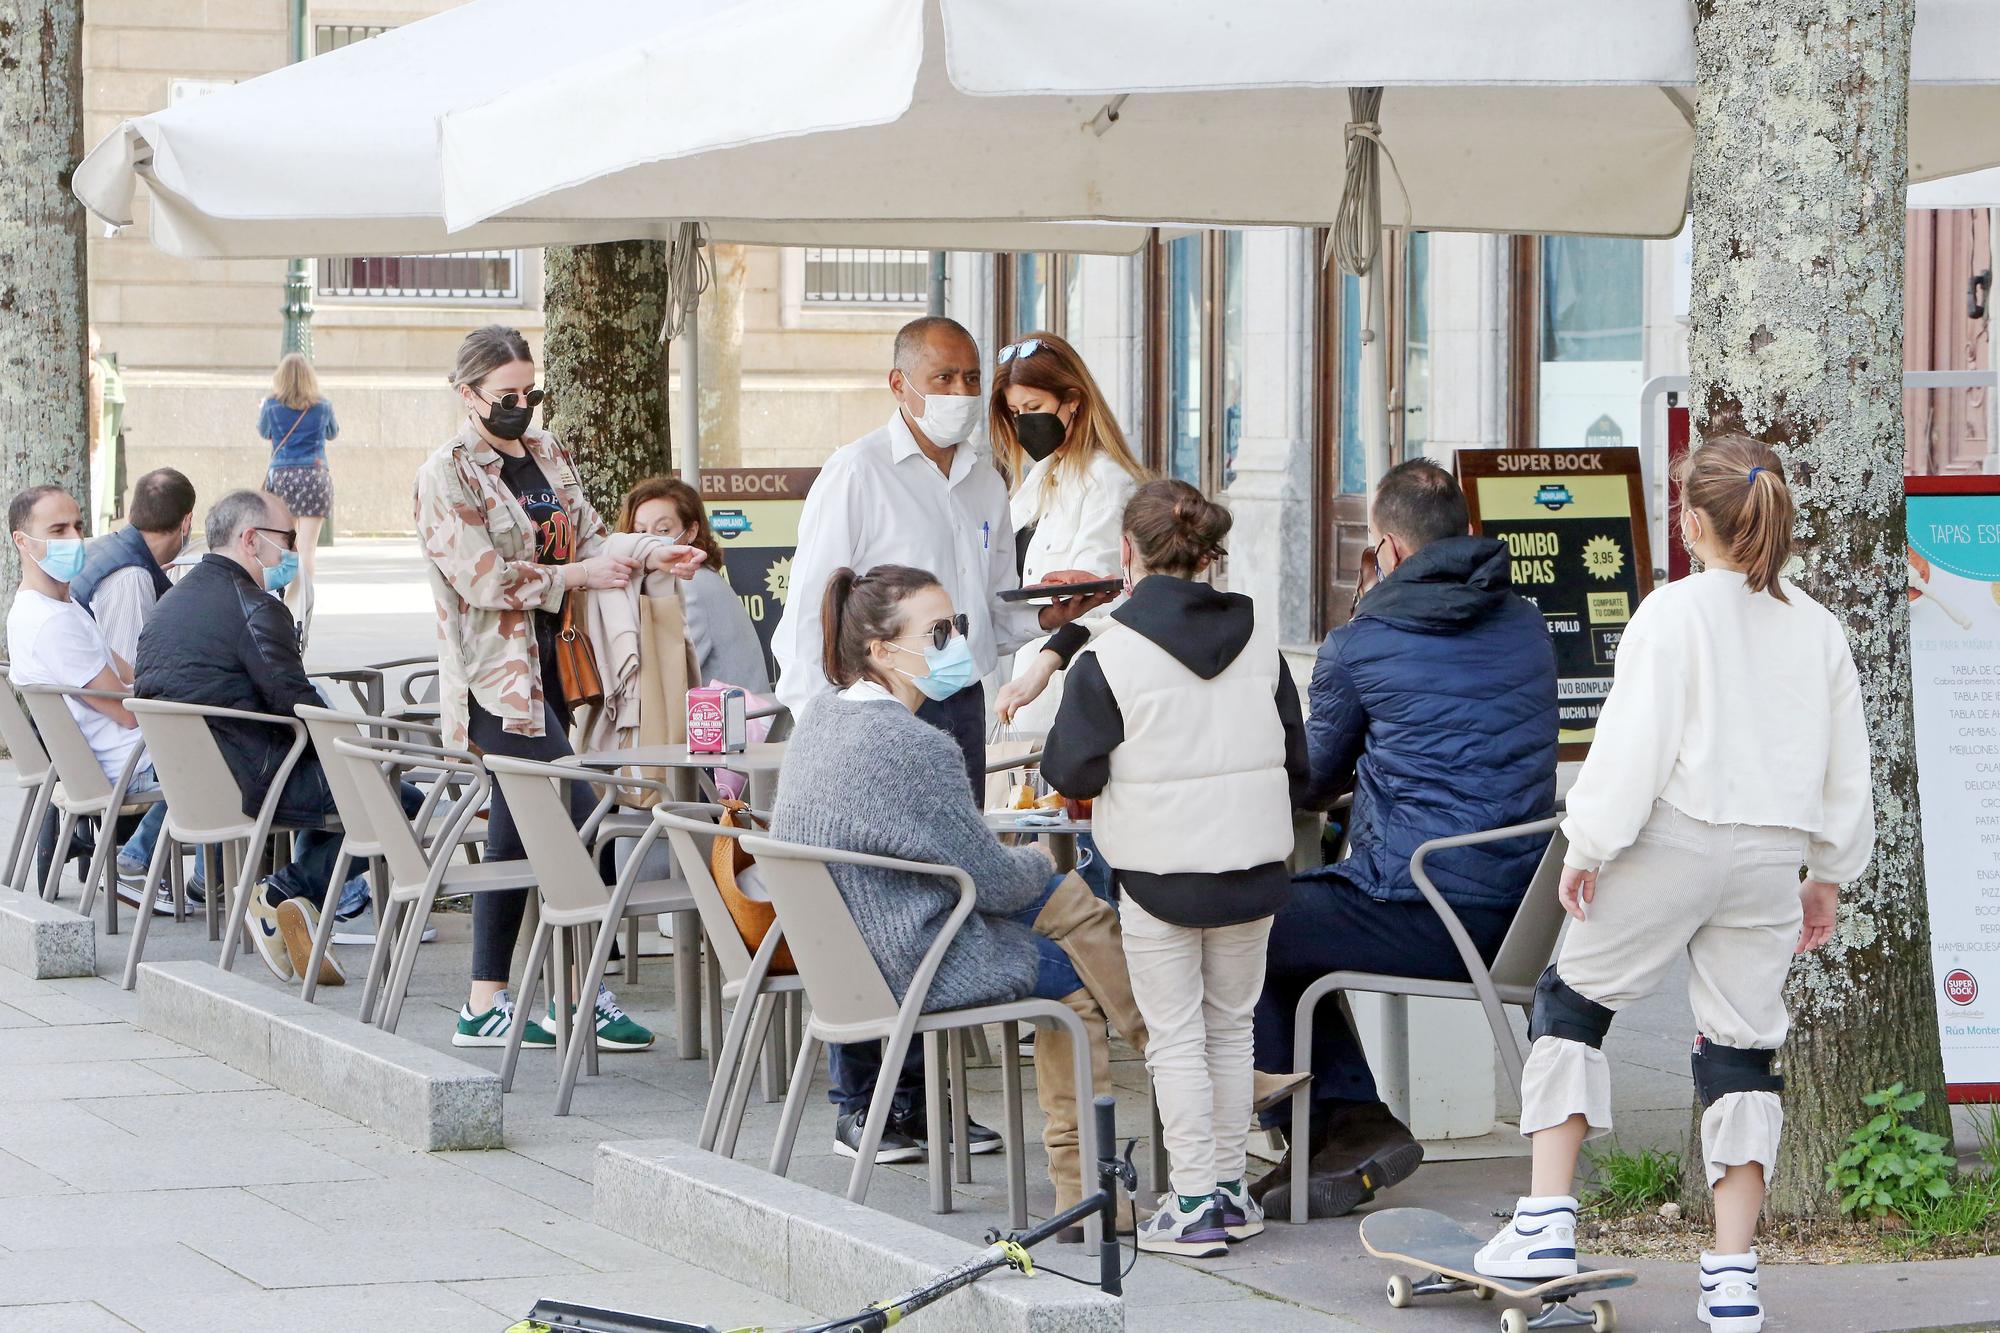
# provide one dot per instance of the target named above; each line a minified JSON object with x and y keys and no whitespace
{"x":1945,"y":328}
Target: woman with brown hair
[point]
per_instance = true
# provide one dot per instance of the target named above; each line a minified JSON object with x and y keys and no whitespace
{"x":298,"y":421}
{"x":1070,"y":470}
{"x":725,"y":642}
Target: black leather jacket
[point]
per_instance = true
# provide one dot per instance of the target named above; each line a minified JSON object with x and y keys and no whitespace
{"x":218,"y":638}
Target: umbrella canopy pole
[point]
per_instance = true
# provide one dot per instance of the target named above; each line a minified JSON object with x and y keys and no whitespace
{"x":690,"y":426}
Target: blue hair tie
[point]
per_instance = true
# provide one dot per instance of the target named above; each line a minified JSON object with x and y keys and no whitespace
{"x":1754,"y":471}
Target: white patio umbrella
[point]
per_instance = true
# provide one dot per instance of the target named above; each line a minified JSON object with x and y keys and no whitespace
{"x":940,"y":123}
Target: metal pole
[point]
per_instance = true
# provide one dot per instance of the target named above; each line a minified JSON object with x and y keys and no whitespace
{"x":690,"y":431}
{"x":937,"y":282}
{"x":298,"y":308}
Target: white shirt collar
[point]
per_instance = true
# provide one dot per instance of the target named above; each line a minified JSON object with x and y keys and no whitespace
{"x":903,"y":446}
{"x":866,"y":691}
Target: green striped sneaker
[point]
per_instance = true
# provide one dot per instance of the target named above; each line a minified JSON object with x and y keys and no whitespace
{"x":615,"y":1029}
{"x":490,"y":1028}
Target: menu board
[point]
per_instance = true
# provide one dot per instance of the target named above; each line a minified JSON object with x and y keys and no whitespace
{"x":1574,"y":521}
{"x":754,"y":514}
{"x":1954,"y":560}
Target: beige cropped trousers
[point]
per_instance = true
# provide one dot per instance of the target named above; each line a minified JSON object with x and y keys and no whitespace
{"x":1726,"y":895}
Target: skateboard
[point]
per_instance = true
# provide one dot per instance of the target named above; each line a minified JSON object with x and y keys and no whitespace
{"x":1435,"y":1242}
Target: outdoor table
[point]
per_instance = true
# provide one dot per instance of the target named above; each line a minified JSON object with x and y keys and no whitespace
{"x":759,"y":763}
{"x":1061,"y":835}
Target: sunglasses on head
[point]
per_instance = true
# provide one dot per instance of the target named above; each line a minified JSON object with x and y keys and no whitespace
{"x":510,"y":401}
{"x":940,"y":631}
{"x":1024,"y":349}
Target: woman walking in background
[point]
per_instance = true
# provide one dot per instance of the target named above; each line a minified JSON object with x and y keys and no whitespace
{"x":725,"y":643}
{"x":298,"y":422}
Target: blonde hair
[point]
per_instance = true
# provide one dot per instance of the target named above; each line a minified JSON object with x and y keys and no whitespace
{"x":295,"y":385}
{"x":1055,"y":369}
{"x":1738,"y":485}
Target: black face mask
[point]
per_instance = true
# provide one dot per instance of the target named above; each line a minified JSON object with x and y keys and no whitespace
{"x":507,"y":423}
{"x":1040,"y":433}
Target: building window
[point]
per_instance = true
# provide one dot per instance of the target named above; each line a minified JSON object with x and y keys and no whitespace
{"x":897,"y":278}
{"x":1591,"y":354}
{"x":333,"y":36}
{"x":1182,"y":355}
{"x":1230,"y":339}
{"x":470,"y":275}
{"x":475,"y":276}
{"x":1414,"y":394}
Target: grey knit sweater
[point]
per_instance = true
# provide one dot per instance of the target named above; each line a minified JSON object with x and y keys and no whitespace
{"x":869,"y":777}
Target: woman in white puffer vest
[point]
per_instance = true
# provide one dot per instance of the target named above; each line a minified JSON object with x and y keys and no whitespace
{"x":1182,"y":722}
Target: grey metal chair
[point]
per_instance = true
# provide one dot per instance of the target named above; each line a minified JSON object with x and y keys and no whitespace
{"x":852,"y":1001}
{"x":327,"y":728}
{"x":1526,"y":949}
{"x":747,"y":981}
{"x":575,"y":898}
{"x":416,"y":879}
{"x":84,"y":791}
{"x":205,"y":808}
{"x":34,"y":776}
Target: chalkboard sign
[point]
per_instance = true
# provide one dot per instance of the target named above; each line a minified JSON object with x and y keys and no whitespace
{"x":1574,"y":521}
{"x":754,"y":514}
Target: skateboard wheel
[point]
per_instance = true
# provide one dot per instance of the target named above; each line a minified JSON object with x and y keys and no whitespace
{"x":1602,"y":1317}
{"x":1486,"y":1293}
{"x":1400,"y":1295}
{"x":1513,"y":1321}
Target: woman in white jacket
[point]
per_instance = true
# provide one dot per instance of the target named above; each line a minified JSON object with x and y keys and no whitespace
{"x":1070,"y":471}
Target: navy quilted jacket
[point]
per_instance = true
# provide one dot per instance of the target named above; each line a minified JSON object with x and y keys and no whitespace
{"x":1437,"y":703}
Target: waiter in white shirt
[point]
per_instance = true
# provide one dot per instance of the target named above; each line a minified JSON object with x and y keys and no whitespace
{"x":915,"y":493}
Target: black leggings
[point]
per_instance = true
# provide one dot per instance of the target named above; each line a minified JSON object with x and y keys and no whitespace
{"x":496,"y":917}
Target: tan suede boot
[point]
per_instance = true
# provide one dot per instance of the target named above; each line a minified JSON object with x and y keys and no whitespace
{"x":1087,"y":929}
{"x":1056,"y":1090}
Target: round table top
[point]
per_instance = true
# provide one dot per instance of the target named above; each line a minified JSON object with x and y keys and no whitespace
{"x":1009,"y":821}
{"x":763,"y":757}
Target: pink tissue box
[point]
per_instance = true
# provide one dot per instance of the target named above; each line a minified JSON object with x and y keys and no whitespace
{"x":717,"y":722}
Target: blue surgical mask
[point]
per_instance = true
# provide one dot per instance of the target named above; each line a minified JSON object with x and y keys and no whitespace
{"x":950,"y":669}
{"x":61,"y":558}
{"x":279,"y":576}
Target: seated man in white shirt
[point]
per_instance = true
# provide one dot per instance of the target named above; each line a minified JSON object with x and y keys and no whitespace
{"x":53,"y":641}
{"x":914,"y":493}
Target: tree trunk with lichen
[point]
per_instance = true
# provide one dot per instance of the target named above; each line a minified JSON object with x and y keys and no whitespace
{"x":44,"y":314}
{"x":606,"y":392}
{"x":1801,"y":165}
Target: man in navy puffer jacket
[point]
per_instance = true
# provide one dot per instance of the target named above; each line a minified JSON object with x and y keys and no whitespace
{"x":1436,"y":705}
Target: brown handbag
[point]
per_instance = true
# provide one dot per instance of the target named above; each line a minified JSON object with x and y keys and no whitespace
{"x":576,"y":661}
{"x":753,"y":919}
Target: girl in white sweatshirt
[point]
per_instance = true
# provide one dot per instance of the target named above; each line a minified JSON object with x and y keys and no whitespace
{"x":1730,"y":753}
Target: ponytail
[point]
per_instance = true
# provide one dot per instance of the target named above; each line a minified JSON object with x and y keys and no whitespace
{"x":859,"y":609}
{"x":1738,"y":485}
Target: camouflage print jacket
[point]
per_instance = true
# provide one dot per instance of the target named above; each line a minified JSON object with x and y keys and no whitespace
{"x":485,"y":579}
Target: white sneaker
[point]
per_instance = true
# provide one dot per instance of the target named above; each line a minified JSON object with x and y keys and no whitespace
{"x":260,"y":923}
{"x":1196,"y":1233}
{"x":1729,"y":1301}
{"x":1540,"y":1241}
{"x":132,"y":893}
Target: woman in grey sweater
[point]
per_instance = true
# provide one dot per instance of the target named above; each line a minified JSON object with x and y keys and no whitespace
{"x":863,"y":774}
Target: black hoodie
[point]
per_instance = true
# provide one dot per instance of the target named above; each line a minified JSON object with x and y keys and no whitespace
{"x":1204,"y":630}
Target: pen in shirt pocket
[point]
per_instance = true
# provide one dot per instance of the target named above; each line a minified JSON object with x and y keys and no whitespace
{"x":985,"y":536}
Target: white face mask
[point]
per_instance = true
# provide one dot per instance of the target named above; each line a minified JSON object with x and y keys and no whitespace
{"x":948,"y":419}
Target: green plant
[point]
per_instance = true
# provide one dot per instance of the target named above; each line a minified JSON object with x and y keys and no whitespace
{"x":1634,"y":1180}
{"x":1890,"y":1166}
{"x":1971,"y":1206}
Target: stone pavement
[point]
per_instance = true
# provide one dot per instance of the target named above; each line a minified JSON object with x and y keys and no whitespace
{"x":239,"y":1206}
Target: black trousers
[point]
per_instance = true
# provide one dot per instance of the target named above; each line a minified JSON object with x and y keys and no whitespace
{"x":496,"y":917}
{"x":1331,"y":926}
{"x":854,"y":1068}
